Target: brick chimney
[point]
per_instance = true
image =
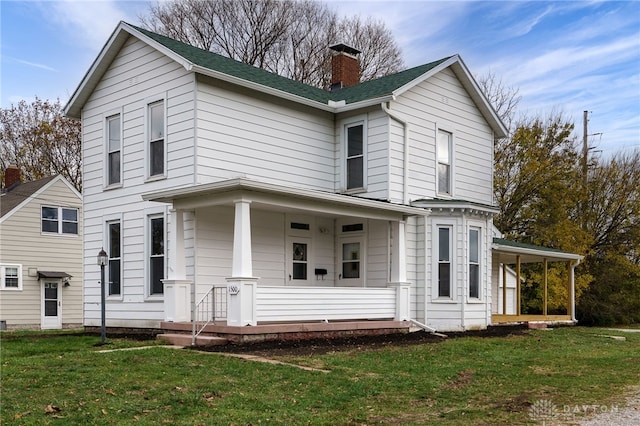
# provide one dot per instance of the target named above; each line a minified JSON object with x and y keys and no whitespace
{"x":345,"y":67}
{"x":11,"y":176}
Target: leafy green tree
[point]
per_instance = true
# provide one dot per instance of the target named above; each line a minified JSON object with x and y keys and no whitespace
{"x":41,"y":141}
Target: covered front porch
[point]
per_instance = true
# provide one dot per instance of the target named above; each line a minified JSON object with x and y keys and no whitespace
{"x":507,"y":259}
{"x":246,"y":253}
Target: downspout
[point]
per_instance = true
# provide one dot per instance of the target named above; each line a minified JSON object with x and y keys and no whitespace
{"x":405,"y":172}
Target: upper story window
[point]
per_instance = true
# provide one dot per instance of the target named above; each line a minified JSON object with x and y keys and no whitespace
{"x":10,"y":277}
{"x":114,"y":149}
{"x":355,"y":150}
{"x":474,"y":263}
{"x":444,"y":162}
{"x":59,"y":220}
{"x":115,"y":266}
{"x":156,"y":132}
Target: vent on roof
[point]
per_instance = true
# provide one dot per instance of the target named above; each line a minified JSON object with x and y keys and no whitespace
{"x":345,"y":66}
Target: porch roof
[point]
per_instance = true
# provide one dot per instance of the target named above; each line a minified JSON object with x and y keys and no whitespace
{"x":529,"y":253}
{"x":283,"y":198}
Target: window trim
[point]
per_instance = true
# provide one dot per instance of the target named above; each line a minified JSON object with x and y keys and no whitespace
{"x":360,"y":120}
{"x":449,"y":163}
{"x":108,"y":116}
{"x":435,"y":295}
{"x":479,"y":263}
{"x":149,"y":103}
{"x":149,"y":215}
{"x":60,"y":221}
{"x":3,"y":276}
{"x":347,"y":237}
{"x":108,"y":223}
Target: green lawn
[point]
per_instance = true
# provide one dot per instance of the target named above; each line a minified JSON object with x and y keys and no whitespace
{"x":468,"y":380}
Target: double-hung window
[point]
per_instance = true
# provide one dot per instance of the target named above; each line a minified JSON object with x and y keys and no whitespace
{"x":114,"y":149}
{"x":355,"y":156}
{"x":115,"y":264}
{"x":156,"y":254}
{"x":156,"y":132}
{"x":10,"y":277}
{"x":444,"y":262}
{"x":474,"y":263}
{"x":444,"y":162}
{"x":59,"y":220}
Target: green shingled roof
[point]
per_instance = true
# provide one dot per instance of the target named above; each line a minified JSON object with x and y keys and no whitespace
{"x":377,"y":88}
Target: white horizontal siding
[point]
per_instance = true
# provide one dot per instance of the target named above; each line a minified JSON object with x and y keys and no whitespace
{"x":242,"y":133}
{"x":442,"y":102}
{"x":324,"y":303}
{"x":138,"y":75}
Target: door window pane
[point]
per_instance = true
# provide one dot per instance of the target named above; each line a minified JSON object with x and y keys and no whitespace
{"x":351,"y":260}
{"x":51,"y":299}
{"x":444,"y":262}
{"x":299,"y":261}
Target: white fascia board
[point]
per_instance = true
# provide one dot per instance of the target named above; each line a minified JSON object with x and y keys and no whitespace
{"x":37,"y":194}
{"x":167,"y":196}
{"x":541,"y":252}
{"x":443,"y":205}
{"x":107,"y":53}
{"x":433,"y":71}
{"x":364,"y":104}
{"x":188,"y":65}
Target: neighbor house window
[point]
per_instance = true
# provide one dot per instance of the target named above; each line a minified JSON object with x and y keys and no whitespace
{"x":10,"y":277}
{"x":474,"y":263}
{"x":59,"y":220}
{"x":114,"y":251}
{"x":156,"y":254}
{"x":444,"y":162}
{"x":444,"y":261}
{"x":156,"y":138}
{"x":114,"y":147}
{"x":355,"y":156}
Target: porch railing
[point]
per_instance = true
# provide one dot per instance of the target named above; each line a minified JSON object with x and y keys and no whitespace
{"x":211,"y":307}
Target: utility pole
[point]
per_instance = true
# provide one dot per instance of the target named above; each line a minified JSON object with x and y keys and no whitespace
{"x":585,"y":147}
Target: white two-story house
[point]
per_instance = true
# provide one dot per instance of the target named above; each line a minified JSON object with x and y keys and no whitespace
{"x":224,"y":192}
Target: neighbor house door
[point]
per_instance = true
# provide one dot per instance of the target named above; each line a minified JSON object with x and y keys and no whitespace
{"x":51,"y":304}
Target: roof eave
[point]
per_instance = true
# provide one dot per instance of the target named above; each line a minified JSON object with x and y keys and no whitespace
{"x":169,"y":196}
{"x":462,"y":72}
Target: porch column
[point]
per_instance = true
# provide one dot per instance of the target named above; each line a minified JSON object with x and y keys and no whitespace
{"x":518,"y":289}
{"x":504,"y":289}
{"x":177,"y":289}
{"x":545,"y":294}
{"x":398,"y":276}
{"x":241,"y":286}
{"x":571,"y":294}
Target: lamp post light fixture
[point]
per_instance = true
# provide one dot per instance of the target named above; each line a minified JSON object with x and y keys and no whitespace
{"x":103,"y":258}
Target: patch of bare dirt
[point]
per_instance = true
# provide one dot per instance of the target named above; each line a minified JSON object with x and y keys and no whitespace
{"x":356,"y":343}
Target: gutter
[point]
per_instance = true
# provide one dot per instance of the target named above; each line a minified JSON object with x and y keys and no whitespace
{"x":405,"y":172}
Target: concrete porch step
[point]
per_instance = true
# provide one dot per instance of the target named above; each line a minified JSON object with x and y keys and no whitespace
{"x":180,"y":339}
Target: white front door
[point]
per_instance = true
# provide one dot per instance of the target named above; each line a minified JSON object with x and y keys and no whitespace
{"x":299,"y":261}
{"x":51,"y":304}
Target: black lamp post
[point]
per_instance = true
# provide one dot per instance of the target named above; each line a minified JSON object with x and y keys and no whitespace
{"x":103,"y":258}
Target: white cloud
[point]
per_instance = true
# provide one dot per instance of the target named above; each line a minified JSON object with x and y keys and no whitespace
{"x":87,"y":22}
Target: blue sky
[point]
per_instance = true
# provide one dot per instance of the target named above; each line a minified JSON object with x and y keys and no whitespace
{"x":562,"y":56}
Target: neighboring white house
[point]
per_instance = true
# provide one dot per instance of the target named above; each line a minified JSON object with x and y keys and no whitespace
{"x":205,"y":178}
{"x":40,"y":253}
